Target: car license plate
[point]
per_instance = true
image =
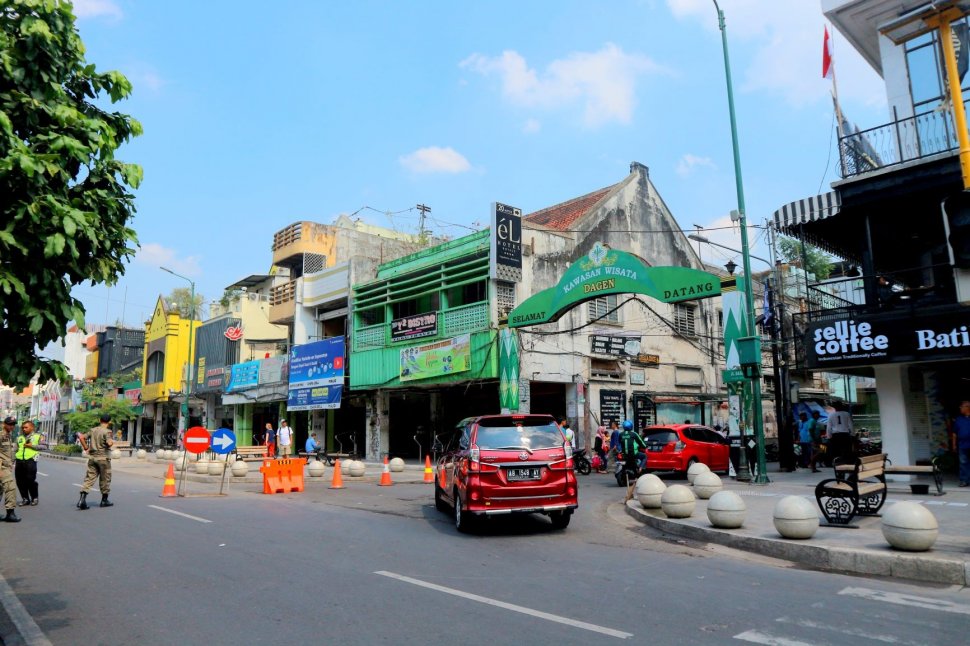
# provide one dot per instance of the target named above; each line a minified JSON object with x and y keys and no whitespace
{"x":533,"y":473}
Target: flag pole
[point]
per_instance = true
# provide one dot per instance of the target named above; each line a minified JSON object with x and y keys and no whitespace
{"x":829,"y":46}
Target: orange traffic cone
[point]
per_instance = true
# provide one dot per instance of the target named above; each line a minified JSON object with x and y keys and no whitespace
{"x":168,"y":489}
{"x":338,"y":479}
{"x":385,"y":475}
{"x":428,"y":474}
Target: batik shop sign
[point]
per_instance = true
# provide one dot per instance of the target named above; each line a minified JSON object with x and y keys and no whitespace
{"x":436,"y":359}
{"x":414,"y":327}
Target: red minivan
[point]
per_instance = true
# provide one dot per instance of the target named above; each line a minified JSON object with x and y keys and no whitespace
{"x":505,"y":464}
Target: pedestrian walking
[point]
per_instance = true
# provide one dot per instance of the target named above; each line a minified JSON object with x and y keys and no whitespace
{"x":285,"y":437}
{"x":960,"y":441}
{"x":269,"y":436}
{"x":614,"y":439}
{"x":97,"y":442}
{"x":569,"y":433}
{"x":25,"y":470}
{"x":840,"y":433}
{"x":804,"y":439}
{"x":601,"y":444}
{"x":6,"y":470}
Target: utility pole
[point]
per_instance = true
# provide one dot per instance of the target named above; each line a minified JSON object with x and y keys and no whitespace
{"x":424,"y":210}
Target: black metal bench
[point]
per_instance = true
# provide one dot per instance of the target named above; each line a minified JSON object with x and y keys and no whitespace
{"x":858,"y":488}
{"x":324,"y":456}
{"x":932,"y":470}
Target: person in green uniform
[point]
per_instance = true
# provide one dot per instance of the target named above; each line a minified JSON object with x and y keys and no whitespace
{"x":25,"y":471}
{"x":7,"y":450}
{"x":97,"y":442}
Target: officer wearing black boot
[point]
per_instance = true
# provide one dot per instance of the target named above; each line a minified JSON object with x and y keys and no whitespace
{"x":97,"y":442}
{"x":7,"y":450}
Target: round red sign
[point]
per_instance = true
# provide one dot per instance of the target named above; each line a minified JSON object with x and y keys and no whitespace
{"x":196,"y":439}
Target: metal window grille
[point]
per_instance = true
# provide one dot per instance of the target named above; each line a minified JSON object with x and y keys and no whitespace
{"x":468,"y":318}
{"x":369,"y":337}
{"x":505,"y":294}
{"x":598,"y":308}
{"x":313,"y":262}
{"x":684,"y":319}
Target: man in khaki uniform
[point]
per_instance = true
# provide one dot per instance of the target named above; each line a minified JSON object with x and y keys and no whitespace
{"x":7,"y":451}
{"x":97,"y":442}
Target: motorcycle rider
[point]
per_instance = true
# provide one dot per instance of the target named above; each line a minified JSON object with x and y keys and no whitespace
{"x":633,"y":446}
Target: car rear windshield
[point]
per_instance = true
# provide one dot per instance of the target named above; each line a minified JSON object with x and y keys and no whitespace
{"x":518,"y":434}
{"x":661,"y":437}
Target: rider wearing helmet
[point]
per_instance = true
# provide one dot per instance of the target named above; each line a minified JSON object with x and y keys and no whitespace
{"x":633,"y":445}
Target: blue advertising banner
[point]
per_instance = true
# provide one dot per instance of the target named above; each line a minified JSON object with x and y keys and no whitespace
{"x":243,"y":375}
{"x":316,"y":375}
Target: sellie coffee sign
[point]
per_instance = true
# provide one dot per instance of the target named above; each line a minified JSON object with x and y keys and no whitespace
{"x":861,"y":341}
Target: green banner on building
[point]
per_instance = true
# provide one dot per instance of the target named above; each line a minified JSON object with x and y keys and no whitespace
{"x":436,"y":359}
{"x":508,"y":367}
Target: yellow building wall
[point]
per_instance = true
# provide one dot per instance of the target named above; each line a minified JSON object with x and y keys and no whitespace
{"x":91,"y":365}
{"x":175,"y":331}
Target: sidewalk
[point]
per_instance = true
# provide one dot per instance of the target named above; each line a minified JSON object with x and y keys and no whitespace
{"x":839,"y":549}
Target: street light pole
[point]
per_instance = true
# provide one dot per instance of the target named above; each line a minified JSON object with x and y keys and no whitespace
{"x":757,"y":421}
{"x":191,"y":364}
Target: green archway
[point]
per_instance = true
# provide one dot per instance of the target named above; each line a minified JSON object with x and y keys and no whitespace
{"x":606,"y":271}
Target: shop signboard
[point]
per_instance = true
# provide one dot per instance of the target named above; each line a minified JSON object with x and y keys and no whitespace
{"x":215,"y":353}
{"x":436,"y":359}
{"x":243,"y":376}
{"x":506,"y":248}
{"x":616,"y":346}
{"x":414,"y":327}
{"x":612,"y":406}
{"x":316,"y":375}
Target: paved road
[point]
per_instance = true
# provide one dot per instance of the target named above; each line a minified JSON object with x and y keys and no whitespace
{"x":370,"y":565}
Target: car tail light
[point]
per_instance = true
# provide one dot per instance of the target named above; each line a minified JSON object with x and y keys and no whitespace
{"x":568,"y":448}
{"x":680,"y":446}
{"x":474,"y":459}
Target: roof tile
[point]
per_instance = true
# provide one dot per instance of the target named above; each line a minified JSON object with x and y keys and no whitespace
{"x":562,"y":216}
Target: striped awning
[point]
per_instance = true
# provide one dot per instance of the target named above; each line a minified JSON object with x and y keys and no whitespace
{"x":809,"y":209}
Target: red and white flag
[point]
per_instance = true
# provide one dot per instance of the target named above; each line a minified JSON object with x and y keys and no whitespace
{"x":826,"y":56}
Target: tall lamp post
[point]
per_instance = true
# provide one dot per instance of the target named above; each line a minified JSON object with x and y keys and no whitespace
{"x":757,"y":421}
{"x":191,"y":365}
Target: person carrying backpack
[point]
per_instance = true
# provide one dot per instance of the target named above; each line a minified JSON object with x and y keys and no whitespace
{"x":633,"y":445}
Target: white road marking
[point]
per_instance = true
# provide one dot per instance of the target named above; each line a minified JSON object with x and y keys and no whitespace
{"x":756,"y":637}
{"x":509,"y":606}
{"x":41,"y":473}
{"x":25,"y":624}
{"x":958,"y":504}
{"x":854,"y":632}
{"x":76,"y":484}
{"x":907,"y":600}
{"x":178,"y":513}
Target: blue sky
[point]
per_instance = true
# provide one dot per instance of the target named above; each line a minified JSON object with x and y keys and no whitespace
{"x":257,"y":115}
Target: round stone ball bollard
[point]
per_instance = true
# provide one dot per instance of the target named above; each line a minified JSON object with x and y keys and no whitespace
{"x":179,"y":463}
{"x":202,"y":468}
{"x":726,"y":510}
{"x":141,"y":454}
{"x":216,"y":467}
{"x":649,"y":490}
{"x":316,"y":469}
{"x":396,"y":465}
{"x":356,"y":468}
{"x":695,"y":469}
{"x":193,"y":457}
{"x":707,"y":484}
{"x":240,"y":469}
{"x":796,"y":517}
{"x":678,"y":501}
{"x":115,"y":454}
{"x":909,"y":526}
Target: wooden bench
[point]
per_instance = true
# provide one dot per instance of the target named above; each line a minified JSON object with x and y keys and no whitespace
{"x":324,"y":456}
{"x":858,"y":488}
{"x":122,"y":445}
{"x":250,"y":453}
{"x":918,"y":470}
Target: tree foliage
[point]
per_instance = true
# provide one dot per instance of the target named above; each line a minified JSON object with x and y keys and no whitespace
{"x":98,"y":398}
{"x":182,"y":301}
{"x":816,"y":261}
{"x":66,"y":203}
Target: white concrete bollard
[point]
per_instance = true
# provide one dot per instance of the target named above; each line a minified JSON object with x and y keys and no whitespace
{"x":910,"y":526}
{"x":141,"y":454}
{"x":316,"y":469}
{"x":678,"y":501}
{"x":396,"y":465}
{"x":707,"y":484}
{"x":649,"y":490}
{"x":216,"y":467}
{"x":240,"y":469}
{"x":726,"y":510}
{"x":796,"y":517}
{"x":202,"y":467}
{"x":694,"y":469}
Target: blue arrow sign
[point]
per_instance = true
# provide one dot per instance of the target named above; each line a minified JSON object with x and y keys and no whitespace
{"x":223,"y":440}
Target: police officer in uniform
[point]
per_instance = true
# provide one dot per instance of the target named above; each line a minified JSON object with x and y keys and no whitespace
{"x":6,"y":470}
{"x":26,"y":469}
{"x":97,"y":442}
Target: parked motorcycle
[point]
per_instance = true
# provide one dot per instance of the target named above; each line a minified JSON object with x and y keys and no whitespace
{"x":626,"y":471}
{"x":581,"y":462}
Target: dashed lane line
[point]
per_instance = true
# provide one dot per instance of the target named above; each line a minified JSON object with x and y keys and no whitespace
{"x":756,"y":637}
{"x":509,"y":606}
{"x":907,"y":600}
{"x":178,"y":513}
{"x":29,"y":631}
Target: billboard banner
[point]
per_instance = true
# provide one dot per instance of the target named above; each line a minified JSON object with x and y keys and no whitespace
{"x":436,"y":359}
{"x":316,"y":375}
{"x":414,"y":327}
{"x":243,"y":376}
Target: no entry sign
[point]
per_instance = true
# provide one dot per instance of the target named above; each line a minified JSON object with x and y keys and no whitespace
{"x":196,"y":440}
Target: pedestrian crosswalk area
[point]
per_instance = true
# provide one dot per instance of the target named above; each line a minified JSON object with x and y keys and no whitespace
{"x":879,"y":617}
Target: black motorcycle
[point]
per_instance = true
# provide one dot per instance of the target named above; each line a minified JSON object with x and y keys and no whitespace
{"x":626,"y":471}
{"x":581,"y":462}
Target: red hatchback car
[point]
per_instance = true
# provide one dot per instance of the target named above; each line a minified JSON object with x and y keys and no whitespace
{"x":674,"y":447}
{"x":505,"y":464}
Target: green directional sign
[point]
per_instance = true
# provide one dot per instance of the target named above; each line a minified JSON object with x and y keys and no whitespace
{"x":606,"y":271}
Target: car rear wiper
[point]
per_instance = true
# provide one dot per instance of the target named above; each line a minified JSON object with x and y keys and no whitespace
{"x":509,"y":448}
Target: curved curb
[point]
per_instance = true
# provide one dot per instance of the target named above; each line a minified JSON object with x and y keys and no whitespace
{"x":821,"y":557}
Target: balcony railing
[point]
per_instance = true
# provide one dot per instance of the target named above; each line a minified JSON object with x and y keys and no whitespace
{"x":282,"y":293}
{"x":289,"y":235}
{"x":902,"y":140}
{"x":451,"y":322}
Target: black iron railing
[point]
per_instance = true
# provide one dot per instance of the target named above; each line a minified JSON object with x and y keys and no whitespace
{"x":901,"y":140}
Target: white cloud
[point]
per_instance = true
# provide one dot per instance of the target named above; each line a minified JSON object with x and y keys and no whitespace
{"x":97,"y":8}
{"x":435,"y":159}
{"x":531,"y":126}
{"x":153,"y":254}
{"x":604,"y":82}
{"x":688,"y":163}
{"x":786,"y":50}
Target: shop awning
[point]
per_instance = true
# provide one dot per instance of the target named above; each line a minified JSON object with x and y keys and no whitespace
{"x":810,"y":209}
